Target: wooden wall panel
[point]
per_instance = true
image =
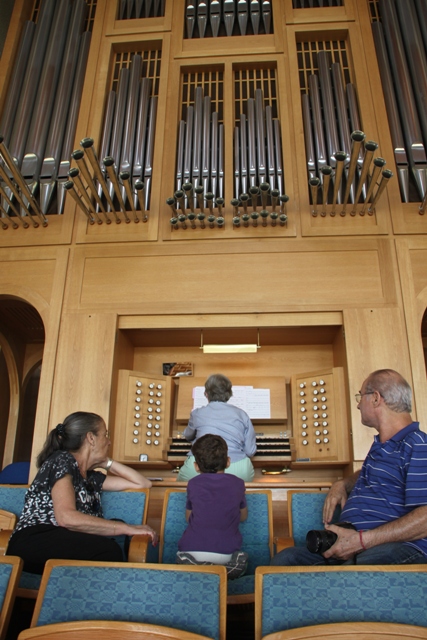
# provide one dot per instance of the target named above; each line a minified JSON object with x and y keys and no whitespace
{"x":376,"y":339}
{"x":412,"y":260}
{"x":276,"y":360}
{"x":84,"y":365}
{"x":258,"y":278}
{"x":29,"y":274}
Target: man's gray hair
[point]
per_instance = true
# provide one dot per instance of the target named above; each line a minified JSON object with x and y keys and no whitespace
{"x":393,"y":388}
{"x":218,"y":388}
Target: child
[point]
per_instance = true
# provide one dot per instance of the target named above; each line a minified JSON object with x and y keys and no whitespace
{"x":216,"y":504}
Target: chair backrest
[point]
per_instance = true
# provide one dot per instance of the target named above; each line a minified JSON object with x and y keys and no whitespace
{"x":292,"y":597}
{"x":352,"y":631}
{"x":257,"y":530}
{"x":10,"y":571}
{"x":305,"y":512}
{"x":15,"y":473}
{"x":12,"y":498}
{"x":130,"y":506}
{"x":188,"y":598}
{"x":106,"y":630}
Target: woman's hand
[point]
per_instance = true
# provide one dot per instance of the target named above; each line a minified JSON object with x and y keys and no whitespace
{"x":144,"y":530}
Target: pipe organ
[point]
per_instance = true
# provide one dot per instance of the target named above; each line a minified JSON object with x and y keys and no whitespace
{"x":227,"y":165}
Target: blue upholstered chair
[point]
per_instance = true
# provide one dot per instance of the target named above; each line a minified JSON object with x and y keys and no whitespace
{"x":293,"y":597}
{"x":15,"y":473}
{"x":10,"y":571}
{"x":257,"y":532}
{"x":305,"y":512}
{"x":12,"y":498}
{"x":130,"y":506}
{"x":188,"y":598}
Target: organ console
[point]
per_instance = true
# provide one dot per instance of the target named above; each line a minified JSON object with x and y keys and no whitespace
{"x":152,"y":413}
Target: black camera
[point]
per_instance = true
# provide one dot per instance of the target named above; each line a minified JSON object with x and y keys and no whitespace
{"x":321,"y":541}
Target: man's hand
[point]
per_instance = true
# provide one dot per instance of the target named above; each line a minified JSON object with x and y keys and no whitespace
{"x":347,"y":544}
{"x":337,"y":495}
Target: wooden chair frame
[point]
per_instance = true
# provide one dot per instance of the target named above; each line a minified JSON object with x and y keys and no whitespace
{"x":352,"y":631}
{"x":106,"y":630}
{"x":7,"y":520}
{"x":11,"y":591}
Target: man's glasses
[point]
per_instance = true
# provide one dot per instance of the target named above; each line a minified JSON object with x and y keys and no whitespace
{"x":358,"y":396}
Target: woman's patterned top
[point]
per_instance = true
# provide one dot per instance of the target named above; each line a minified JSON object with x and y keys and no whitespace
{"x":38,"y":507}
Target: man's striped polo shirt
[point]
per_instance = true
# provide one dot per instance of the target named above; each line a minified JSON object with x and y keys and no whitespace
{"x":392,"y":482}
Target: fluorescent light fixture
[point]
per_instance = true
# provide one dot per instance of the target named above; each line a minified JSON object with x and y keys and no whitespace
{"x":229,"y":348}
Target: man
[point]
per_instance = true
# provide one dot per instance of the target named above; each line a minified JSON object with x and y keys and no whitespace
{"x":386,"y":501}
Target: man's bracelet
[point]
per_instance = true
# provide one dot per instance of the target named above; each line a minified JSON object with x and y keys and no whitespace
{"x":108,"y":465}
{"x":361,"y":540}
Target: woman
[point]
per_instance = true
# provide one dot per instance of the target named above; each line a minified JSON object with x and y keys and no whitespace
{"x":226,"y":420}
{"x":62,"y":514}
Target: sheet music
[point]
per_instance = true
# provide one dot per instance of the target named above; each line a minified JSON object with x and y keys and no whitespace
{"x":256,"y":402}
{"x":199,"y":398}
{"x":240,"y":397}
{"x":259,"y":404}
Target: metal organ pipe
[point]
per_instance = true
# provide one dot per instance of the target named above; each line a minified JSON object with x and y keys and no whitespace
{"x":218,"y":17}
{"x":328,"y":106}
{"x":260,"y":148}
{"x":41,"y":105}
{"x":64,"y":92}
{"x":415,"y":147}
{"x":396,"y":132}
{"x":33,"y":72}
{"x":41,"y":116}
{"x":124,"y":178}
{"x":257,"y":164}
{"x":72,"y":115}
{"x":17,"y":77}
